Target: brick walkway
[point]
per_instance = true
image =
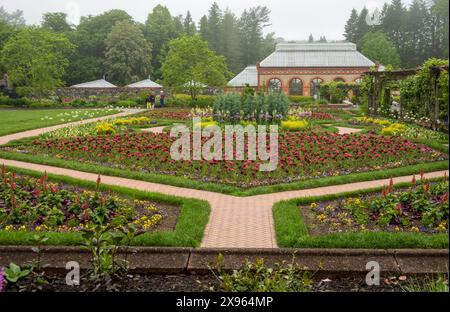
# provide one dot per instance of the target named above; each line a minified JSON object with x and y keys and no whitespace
{"x":344,"y":130}
{"x":235,"y":222}
{"x":156,"y":130}
{"x":36,"y":132}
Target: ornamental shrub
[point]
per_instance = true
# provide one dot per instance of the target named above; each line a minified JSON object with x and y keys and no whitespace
{"x":233,"y":108}
{"x":394,"y":129}
{"x":6,"y":100}
{"x":294,"y":125}
{"x":105,"y":128}
{"x":301,"y":99}
{"x":186,"y":101}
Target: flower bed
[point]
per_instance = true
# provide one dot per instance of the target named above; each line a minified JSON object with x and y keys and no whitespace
{"x":409,"y":131}
{"x":169,"y":114}
{"x":422,"y":208}
{"x":30,"y":204}
{"x":302,"y":156}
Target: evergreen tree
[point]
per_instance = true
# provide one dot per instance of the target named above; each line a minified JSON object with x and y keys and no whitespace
{"x":362,"y":28}
{"x":189,"y":25}
{"x":351,"y":27}
{"x":440,"y":28}
{"x":311,"y":38}
{"x":214,"y":25}
{"x":417,"y":34}
{"x":268,"y":45}
{"x":203,"y":28}
{"x":252,"y":23}
{"x":394,"y":21}
{"x":230,"y":41}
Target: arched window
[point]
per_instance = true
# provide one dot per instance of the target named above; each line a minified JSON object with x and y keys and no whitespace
{"x":296,"y":87}
{"x":274,"y":85}
{"x":339,"y":79}
{"x":315,"y":86}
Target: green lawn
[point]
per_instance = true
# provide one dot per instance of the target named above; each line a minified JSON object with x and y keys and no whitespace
{"x":13,"y":121}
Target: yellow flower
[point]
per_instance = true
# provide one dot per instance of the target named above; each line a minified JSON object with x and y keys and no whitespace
{"x":415,"y":229}
{"x":313,"y":206}
{"x":9,"y":228}
{"x":442,"y":227}
{"x":321,"y":218}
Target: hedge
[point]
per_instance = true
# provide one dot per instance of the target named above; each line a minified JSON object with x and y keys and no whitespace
{"x":185,"y":101}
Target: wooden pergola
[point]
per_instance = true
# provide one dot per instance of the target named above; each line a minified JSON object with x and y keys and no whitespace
{"x":380,"y":78}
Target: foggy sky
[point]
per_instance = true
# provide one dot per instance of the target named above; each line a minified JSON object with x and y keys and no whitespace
{"x":291,"y":19}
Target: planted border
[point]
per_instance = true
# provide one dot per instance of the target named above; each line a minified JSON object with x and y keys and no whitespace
{"x":228,"y":189}
{"x":292,"y":232}
{"x":189,"y":230}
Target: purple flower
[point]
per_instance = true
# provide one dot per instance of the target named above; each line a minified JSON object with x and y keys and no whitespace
{"x":2,"y":280}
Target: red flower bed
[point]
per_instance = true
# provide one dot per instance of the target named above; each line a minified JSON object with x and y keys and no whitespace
{"x":169,"y":114}
{"x":316,"y":116}
{"x":301,"y":156}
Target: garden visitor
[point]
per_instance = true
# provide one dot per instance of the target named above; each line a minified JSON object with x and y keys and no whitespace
{"x":162,"y":97}
{"x":151,"y":101}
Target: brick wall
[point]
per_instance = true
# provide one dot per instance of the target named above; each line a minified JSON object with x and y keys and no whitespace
{"x":285,"y":75}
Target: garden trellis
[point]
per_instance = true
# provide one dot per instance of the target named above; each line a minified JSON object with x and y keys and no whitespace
{"x":379,"y":81}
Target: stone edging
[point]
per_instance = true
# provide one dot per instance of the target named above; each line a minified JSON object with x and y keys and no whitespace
{"x":199,"y":261}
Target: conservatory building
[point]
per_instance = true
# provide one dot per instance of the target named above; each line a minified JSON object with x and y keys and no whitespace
{"x":299,"y":68}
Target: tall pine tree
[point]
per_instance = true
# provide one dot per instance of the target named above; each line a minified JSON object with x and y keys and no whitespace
{"x":351,"y":27}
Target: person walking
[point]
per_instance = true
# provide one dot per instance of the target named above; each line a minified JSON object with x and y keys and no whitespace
{"x":162,"y":97}
{"x":151,"y":101}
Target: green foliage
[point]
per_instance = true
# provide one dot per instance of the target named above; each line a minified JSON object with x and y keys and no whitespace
{"x":190,"y":64}
{"x":186,"y":101}
{"x":429,"y":284}
{"x":232,"y":107}
{"x":257,"y":277}
{"x":56,"y":22}
{"x":337,"y":91}
{"x":301,"y":99}
{"x":14,"y":273}
{"x":5,"y":100}
{"x":417,"y":31}
{"x":128,"y":54}
{"x":418,"y":95}
{"x":377,"y":47}
{"x":87,"y":63}
{"x":36,"y":60}
{"x":15,"y":19}
{"x":294,"y":125}
{"x":159,"y":30}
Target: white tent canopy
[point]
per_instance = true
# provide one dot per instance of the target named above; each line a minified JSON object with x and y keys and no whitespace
{"x":101,"y":83}
{"x":147,"y":83}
